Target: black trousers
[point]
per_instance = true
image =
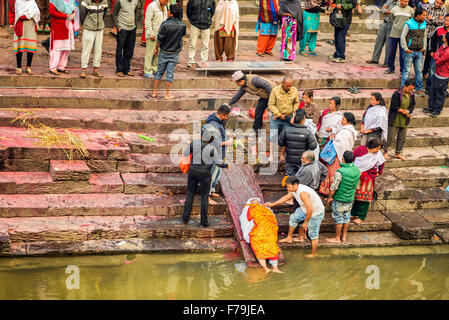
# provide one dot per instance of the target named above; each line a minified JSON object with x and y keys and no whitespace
{"x":437,"y":94}
{"x":126,"y":41}
{"x":203,"y":179}
{"x":19,"y":59}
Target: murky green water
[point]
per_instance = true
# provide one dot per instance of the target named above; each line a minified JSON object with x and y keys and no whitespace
{"x":404,"y":273}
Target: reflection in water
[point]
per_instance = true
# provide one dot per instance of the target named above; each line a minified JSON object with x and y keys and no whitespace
{"x":336,"y":274}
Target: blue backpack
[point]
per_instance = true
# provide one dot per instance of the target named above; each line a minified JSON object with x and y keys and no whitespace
{"x":328,"y":154}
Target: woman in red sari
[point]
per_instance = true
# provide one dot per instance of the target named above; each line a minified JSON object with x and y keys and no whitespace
{"x":370,"y":160}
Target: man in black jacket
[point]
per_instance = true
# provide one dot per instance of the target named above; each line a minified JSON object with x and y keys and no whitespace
{"x":200,"y":13}
{"x":401,"y":108}
{"x":296,"y":139}
{"x":169,"y":39}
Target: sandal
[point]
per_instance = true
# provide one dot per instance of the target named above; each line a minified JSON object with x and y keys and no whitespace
{"x":28,"y":71}
{"x":63,"y":71}
{"x":269,"y":53}
{"x":259,"y":54}
{"x":40,"y":27}
{"x":97,"y":74}
{"x":130,"y":74}
{"x":312,"y":53}
{"x":47,"y":28}
{"x":55,"y":73}
{"x":83,"y":74}
{"x":19,"y":71}
{"x":302,"y":54}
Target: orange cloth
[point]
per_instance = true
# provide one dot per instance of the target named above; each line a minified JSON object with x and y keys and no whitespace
{"x":264,"y":235}
{"x":265,"y":43}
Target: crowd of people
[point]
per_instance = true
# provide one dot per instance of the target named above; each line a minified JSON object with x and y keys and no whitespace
{"x":417,"y":28}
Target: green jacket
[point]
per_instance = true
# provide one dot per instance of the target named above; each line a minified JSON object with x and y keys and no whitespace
{"x":350,"y":176}
{"x":92,"y":14}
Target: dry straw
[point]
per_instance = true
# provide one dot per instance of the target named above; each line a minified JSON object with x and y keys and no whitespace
{"x":71,"y":144}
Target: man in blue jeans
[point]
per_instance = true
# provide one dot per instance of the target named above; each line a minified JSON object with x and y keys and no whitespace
{"x":413,"y":43}
{"x":345,"y":7}
{"x":169,"y":40}
{"x":310,"y":213}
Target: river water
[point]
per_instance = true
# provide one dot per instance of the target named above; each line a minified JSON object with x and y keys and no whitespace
{"x":418,"y":272}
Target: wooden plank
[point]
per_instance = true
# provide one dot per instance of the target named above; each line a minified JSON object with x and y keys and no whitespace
{"x":238,"y":185}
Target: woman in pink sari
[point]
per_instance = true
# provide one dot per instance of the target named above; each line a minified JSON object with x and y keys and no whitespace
{"x":291,"y":15}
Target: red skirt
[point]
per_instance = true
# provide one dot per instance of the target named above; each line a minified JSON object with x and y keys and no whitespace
{"x":365,"y":188}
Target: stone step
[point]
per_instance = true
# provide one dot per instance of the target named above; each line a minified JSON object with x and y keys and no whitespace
{"x":363,"y":239}
{"x":46,"y":205}
{"x":439,"y":218}
{"x":122,"y":246}
{"x":200,"y":99}
{"x":42,"y":182}
{"x":18,"y":143}
{"x":422,"y":199}
{"x":164,"y":144}
{"x":161,"y":163}
{"x":66,"y":170}
{"x":156,"y":122}
{"x":410,"y":225}
{"x":375,"y":221}
{"x":67,"y":228}
{"x":423,"y":177}
{"x":363,"y":76}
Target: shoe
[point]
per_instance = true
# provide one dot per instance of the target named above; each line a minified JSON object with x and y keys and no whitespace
{"x":338,"y":60}
{"x":331,"y":56}
{"x":389,"y":71}
{"x":426,"y":110}
{"x":130,"y":74}
{"x":120,"y":74}
{"x":204,"y":226}
{"x":372,"y":62}
{"x":54,"y":72}
{"x":420,"y":93}
{"x":83,"y":74}
{"x":384,"y":65}
{"x":184,"y":221}
{"x":434,"y":114}
{"x":19,"y":71}
{"x":63,"y":71}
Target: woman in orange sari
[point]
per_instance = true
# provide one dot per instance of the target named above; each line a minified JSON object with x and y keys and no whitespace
{"x":260,"y":230}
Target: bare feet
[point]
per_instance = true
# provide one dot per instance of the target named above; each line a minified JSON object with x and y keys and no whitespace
{"x":343,"y":239}
{"x":276,"y":270}
{"x":333,"y":240}
{"x":154,"y":95}
{"x":399,"y":156}
{"x":214,"y":194}
{"x":310,"y":255}
{"x":267,"y":270}
{"x":287,"y":240}
{"x":168,"y":97}
{"x":298,"y":239}
{"x":212,"y":202}
{"x":357,"y":221}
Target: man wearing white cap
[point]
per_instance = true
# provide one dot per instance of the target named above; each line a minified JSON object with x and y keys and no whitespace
{"x":257,"y":86}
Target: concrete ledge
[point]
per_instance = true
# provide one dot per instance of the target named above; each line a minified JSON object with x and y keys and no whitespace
{"x":410,"y":225}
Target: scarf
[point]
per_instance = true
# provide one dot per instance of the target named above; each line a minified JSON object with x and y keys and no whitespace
{"x":292,"y":7}
{"x":64,"y":6}
{"x":227,"y":16}
{"x":27,"y":8}
{"x":344,"y":140}
{"x":369,"y":161}
{"x":376,"y":117}
{"x":330,"y":120}
{"x":268,"y":11}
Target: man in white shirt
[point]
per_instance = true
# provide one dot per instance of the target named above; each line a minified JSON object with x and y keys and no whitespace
{"x":310,"y":213}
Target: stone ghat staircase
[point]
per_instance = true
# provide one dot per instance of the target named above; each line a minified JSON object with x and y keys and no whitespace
{"x":128,"y":195}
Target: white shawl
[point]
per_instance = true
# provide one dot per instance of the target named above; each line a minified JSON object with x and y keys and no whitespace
{"x":245,"y":224}
{"x":331,"y":120}
{"x":377,"y":117}
{"x":227,"y":16}
{"x":344,"y":140}
{"x":369,"y":161}
{"x":312,"y":128}
{"x":27,"y":8}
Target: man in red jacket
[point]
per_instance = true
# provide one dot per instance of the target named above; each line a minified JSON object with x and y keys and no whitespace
{"x":440,"y":79}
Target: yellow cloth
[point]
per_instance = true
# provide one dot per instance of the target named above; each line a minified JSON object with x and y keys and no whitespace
{"x":283,"y":103}
{"x":264,"y":235}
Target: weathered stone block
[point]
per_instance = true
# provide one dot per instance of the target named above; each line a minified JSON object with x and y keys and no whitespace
{"x":410,"y":225}
{"x":443,"y":234}
{"x":65,"y":170}
{"x":5,"y":242}
{"x":102,"y":165}
{"x":118,"y":227}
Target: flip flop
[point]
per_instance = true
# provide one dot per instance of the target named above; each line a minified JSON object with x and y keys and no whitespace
{"x":260,"y":54}
{"x":302,"y":54}
{"x":312,"y":54}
